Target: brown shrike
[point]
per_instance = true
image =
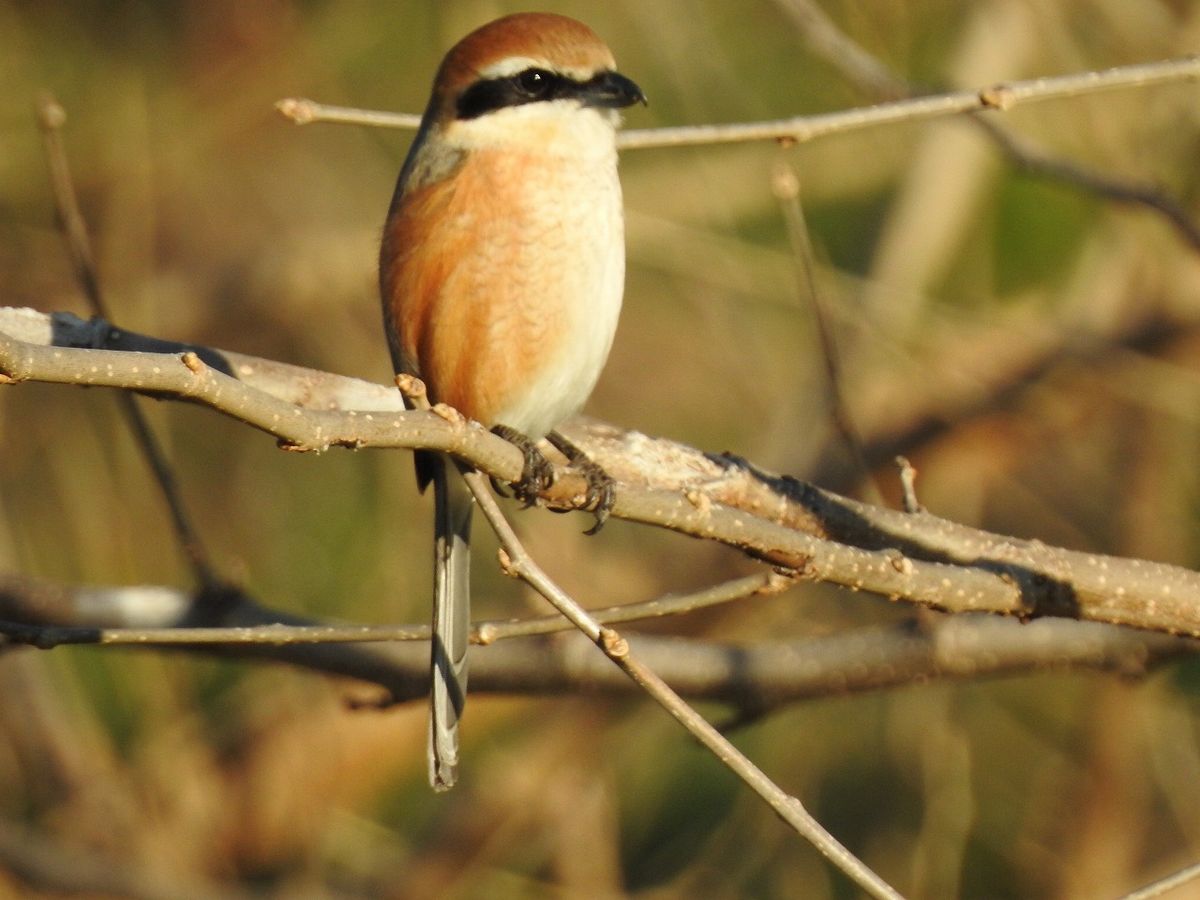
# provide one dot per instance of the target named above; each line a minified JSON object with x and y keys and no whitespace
{"x":501,"y":271}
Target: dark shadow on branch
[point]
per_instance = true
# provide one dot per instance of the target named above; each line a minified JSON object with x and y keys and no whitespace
{"x":1041,"y":594}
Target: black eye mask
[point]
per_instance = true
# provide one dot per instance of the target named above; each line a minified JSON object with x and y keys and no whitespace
{"x":607,"y":89}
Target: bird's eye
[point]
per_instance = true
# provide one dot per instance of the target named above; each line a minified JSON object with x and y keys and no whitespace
{"x":535,"y":82}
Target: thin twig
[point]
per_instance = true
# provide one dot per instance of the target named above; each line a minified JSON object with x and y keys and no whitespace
{"x":908,"y":483}
{"x":764,"y":675}
{"x":1029,"y":159}
{"x":616,"y":648}
{"x":785,"y":184}
{"x":176,"y":630}
{"x":876,"y":79}
{"x":1158,"y":888}
{"x":52,"y":117}
{"x":46,"y":637}
{"x":303,"y":111}
{"x":837,"y":48}
{"x":798,"y":129}
{"x":669,"y":605}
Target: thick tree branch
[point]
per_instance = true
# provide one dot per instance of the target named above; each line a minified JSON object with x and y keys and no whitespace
{"x":917,"y":558}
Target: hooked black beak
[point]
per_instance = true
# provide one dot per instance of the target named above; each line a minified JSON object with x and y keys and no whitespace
{"x":611,"y":90}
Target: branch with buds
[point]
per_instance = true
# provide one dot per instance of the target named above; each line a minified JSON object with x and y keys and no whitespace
{"x":799,"y":129}
{"x":800,"y":530}
{"x":795,"y":527}
{"x":797,"y":531}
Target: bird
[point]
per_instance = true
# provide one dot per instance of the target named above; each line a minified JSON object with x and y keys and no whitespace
{"x":501,"y":271}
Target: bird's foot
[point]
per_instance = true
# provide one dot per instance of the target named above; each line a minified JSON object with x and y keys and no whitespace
{"x":536,"y":474}
{"x":601,"y":488}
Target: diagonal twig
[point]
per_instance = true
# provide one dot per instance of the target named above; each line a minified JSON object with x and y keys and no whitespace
{"x":876,"y":79}
{"x":1162,"y":886}
{"x":786,"y":185}
{"x":517,"y":562}
{"x":616,"y":648}
{"x":52,"y":117}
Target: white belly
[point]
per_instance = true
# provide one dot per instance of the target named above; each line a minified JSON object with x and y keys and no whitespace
{"x":582,"y":260}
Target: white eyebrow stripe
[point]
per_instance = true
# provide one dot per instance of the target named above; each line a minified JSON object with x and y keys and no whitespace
{"x":511,"y":65}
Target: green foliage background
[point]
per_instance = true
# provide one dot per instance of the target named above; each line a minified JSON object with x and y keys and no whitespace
{"x":217,"y":222}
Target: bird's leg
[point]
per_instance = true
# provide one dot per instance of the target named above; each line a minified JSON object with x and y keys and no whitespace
{"x":536,"y":474}
{"x":601,"y":489}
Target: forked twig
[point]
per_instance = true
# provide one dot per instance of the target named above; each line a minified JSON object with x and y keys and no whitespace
{"x":519,"y":563}
{"x":875,"y":78}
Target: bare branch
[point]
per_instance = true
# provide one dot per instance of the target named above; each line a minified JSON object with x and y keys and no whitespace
{"x":1024,"y":155}
{"x":876,"y":79}
{"x":52,"y":117}
{"x":295,"y":384}
{"x":805,"y":128}
{"x":916,"y":558}
{"x":1158,"y":888}
{"x":617,"y":649}
{"x":786,"y":185}
{"x":305,"y":112}
{"x":47,"y":615}
{"x":754,"y":677}
{"x":836,"y":47}
{"x":765,"y":584}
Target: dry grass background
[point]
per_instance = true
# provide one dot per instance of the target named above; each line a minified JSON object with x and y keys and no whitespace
{"x":216,"y":222}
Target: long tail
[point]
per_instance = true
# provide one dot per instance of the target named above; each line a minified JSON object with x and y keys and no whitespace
{"x":451,"y":619}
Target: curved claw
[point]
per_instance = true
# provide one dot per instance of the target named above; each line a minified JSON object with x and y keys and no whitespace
{"x":601,"y":488}
{"x":537,"y":474}
{"x":601,"y":492}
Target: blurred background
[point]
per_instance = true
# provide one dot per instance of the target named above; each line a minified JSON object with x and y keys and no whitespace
{"x":1030,"y":345}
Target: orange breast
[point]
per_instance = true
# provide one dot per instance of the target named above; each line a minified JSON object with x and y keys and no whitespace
{"x":476,"y":278}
